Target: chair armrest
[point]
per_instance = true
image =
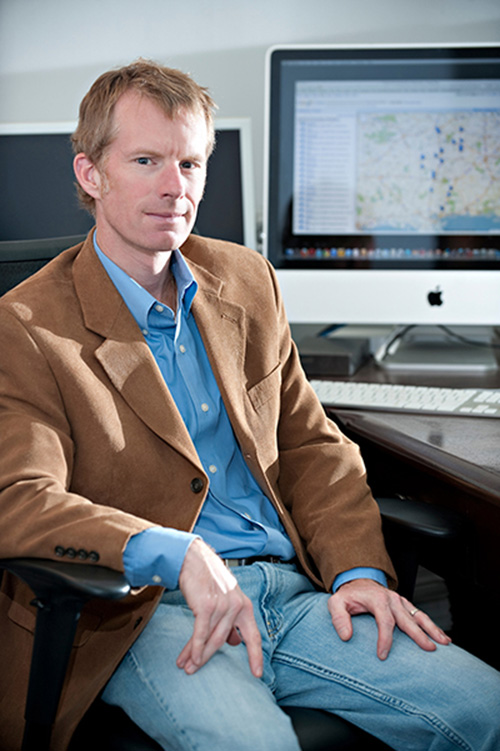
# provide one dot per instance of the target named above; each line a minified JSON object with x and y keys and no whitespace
{"x":421,"y":519}
{"x":81,"y":580}
{"x":418,"y":533}
{"x":61,"y":590}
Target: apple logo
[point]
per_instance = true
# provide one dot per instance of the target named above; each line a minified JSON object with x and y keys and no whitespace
{"x":436,"y":297}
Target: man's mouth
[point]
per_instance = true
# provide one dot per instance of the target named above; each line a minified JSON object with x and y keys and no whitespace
{"x":167,"y":216}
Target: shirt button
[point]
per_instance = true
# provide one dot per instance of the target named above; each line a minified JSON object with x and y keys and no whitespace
{"x":197,"y":485}
{"x":205,"y":407}
{"x":212,"y":468}
{"x":182,"y":348}
{"x":156,"y":578}
{"x":145,"y":332}
{"x":159,"y":308}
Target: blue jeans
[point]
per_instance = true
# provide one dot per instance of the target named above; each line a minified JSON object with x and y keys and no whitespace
{"x":415,"y":700}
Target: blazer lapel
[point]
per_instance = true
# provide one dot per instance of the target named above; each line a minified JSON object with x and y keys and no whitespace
{"x":222,"y":327}
{"x":125,"y":356}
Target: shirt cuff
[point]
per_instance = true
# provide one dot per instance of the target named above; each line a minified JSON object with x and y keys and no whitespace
{"x":155,"y":557}
{"x":359,"y":573}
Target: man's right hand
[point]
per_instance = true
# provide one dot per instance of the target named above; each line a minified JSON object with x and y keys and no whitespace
{"x":222,"y":612}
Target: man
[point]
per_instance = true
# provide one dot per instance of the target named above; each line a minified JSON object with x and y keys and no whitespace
{"x":154,"y":418}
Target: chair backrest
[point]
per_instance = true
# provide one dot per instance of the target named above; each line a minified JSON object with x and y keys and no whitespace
{"x":19,"y":259}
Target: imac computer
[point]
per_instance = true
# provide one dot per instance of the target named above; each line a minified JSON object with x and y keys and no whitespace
{"x":39,"y":198}
{"x":382,"y":187}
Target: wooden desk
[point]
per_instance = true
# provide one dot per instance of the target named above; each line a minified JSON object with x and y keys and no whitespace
{"x":452,"y":462}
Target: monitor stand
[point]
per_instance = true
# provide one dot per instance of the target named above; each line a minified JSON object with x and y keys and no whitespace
{"x":432,"y":348}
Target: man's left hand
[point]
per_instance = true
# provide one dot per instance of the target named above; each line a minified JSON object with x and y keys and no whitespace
{"x":389,"y":609}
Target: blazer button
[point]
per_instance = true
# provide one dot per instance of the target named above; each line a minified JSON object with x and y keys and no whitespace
{"x":59,"y":551}
{"x":197,"y":485}
{"x":71,"y":553}
{"x":82,"y":554}
{"x":93,"y":556}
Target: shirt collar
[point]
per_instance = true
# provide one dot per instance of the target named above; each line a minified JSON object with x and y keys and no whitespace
{"x":138,"y":300}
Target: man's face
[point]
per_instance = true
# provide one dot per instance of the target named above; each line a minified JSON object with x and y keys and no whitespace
{"x":152,"y":178}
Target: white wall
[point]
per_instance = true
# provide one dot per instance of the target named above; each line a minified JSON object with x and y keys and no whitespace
{"x":52,"y":50}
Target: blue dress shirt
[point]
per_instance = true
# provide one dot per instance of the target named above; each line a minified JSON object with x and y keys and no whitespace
{"x":237,"y":519}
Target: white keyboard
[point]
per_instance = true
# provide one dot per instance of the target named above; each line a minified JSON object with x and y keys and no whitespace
{"x":390,"y":397}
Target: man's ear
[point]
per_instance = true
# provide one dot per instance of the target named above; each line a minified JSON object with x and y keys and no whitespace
{"x":88,"y":176}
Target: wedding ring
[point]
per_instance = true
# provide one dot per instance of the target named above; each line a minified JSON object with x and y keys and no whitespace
{"x":415,"y":610}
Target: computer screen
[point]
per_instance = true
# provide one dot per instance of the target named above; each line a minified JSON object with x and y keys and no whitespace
{"x":383,"y":182}
{"x":38,"y":185}
{"x":39,"y":198}
{"x":227,"y":211}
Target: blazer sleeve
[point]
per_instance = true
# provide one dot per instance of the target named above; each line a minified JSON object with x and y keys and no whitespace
{"x":40,"y":516}
{"x":322,"y":477}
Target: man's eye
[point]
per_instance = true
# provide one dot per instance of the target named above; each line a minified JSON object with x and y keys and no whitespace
{"x":143,"y":160}
{"x":187,"y":164}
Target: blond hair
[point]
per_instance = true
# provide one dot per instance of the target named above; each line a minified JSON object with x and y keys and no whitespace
{"x":171,"y":89}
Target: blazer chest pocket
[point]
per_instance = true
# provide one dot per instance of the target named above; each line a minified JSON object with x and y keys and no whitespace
{"x":266,"y":390}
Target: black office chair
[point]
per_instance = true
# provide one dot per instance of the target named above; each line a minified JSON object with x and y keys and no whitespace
{"x":62,"y":589}
{"x":19,"y":259}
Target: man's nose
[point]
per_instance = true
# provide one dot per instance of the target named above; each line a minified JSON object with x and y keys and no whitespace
{"x":171,"y":181}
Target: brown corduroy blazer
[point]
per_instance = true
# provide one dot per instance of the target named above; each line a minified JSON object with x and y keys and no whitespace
{"x":93,"y":450}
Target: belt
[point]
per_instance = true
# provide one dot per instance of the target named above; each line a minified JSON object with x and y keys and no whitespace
{"x":234,"y":562}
